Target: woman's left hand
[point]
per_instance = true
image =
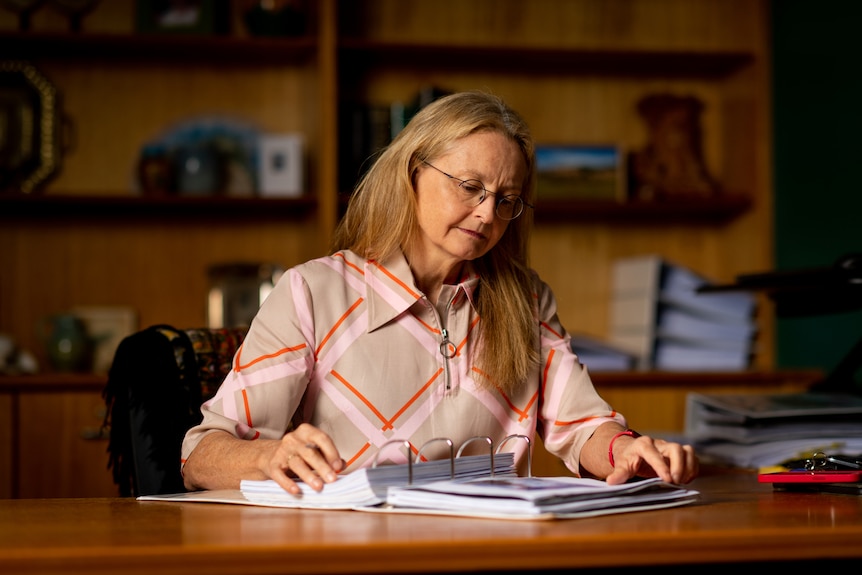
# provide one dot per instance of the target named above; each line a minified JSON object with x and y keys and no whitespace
{"x":647,"y":457}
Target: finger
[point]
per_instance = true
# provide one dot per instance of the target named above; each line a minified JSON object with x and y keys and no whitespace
{"x":692,"y":465}
{"x":325,"y":447}
{"x":279,"y":475}
{"x":653,"y":462}
{"x":305,"y":472}
{"x":619,"y":475}
{"x":309,"y":437}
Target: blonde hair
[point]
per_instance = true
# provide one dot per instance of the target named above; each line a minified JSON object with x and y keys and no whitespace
{"x":381,"y":220}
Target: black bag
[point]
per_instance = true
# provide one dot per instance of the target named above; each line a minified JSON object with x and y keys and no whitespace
{"x":156,"y":384}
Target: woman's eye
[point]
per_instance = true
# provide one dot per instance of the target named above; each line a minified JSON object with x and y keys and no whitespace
{"x":472,"y":187}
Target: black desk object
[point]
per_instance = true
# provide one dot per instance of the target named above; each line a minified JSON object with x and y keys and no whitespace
{"x":813,"y":291}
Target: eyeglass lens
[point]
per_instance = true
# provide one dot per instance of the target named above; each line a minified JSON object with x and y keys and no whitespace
{"x":507,"y":207}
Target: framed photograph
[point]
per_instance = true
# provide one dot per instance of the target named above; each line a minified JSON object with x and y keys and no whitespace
{"x":183,"y":16}
{"x":581,"y":172}
{"x":106,"y":326}
{"x":281,"y":167}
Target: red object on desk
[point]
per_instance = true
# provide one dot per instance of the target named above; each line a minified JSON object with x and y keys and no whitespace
{"x":808,"y":476}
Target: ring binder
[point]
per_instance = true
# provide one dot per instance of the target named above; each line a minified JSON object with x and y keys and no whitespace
{"x":484,"y":485}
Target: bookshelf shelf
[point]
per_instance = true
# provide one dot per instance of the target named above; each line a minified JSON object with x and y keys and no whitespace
{"x":538,"y":59}
{"x":127,"y":48}
{"x":125,"y":206}
{"x":696,"y":210}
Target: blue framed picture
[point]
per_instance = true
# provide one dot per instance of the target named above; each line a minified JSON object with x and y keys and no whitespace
{"x":583,"y":172}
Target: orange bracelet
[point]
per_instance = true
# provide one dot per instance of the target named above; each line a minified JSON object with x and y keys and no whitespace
{"x":629,"y":432}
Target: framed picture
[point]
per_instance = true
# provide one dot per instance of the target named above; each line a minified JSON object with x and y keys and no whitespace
{"x":183,"y":16}
{"x":582,"y":172}
{"x":281,"y":168}
{"x":106,"y":326}
{"x":29,"y":131}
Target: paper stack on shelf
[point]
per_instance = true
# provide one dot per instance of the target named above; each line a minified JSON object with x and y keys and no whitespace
{"x":761,"y":430}
{"x":658,"y":315}
{"x":598,"y":355}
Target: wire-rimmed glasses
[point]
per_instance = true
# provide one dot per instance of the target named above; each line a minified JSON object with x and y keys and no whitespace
{"x":473,"y":193}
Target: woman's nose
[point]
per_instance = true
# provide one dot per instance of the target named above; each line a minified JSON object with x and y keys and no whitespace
{"x":488,"y":208}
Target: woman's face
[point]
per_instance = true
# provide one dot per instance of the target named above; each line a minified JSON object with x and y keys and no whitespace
{"x":452,"y":231}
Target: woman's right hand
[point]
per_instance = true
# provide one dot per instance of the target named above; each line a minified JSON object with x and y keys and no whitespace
{"x":306,"y":453}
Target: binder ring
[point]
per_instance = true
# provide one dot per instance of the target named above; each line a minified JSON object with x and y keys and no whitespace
{"x":529,"y":450}
{"x":451,"y":451}
{"x":406,"y":444}
{"x":490,"y":448}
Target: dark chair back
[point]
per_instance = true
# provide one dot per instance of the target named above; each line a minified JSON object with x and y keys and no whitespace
{"x":156,"y":384}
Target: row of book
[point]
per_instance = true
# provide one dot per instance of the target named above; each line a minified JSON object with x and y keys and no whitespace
{"x":658,"y":315}
{"x":367,"y":128}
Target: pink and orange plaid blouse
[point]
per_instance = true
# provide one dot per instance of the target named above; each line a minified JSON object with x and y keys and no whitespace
{"x":353,"y":347}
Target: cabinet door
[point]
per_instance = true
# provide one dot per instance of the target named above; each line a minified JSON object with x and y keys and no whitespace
{"x":61,"y":452}
{"x":6,"y":451}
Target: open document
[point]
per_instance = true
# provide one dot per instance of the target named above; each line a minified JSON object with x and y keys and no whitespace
{"x":473,"y":485}
{"x":536,"y":497}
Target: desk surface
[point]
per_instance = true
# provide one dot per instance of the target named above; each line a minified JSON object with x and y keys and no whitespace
{"x":736,"y":520}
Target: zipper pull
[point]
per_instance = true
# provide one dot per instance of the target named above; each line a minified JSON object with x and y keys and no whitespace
{"x":446,"y":345}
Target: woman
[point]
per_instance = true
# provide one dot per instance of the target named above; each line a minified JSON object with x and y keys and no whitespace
{"x":425,"y":321}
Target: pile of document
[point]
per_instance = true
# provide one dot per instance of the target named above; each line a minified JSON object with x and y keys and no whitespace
{"x":537,"y":497}
{"x":762,"y":430}
{"x":460,"y":486}
{"x":658,"y":315}
{"x":368,"y":486}
{"x":599,"y":355}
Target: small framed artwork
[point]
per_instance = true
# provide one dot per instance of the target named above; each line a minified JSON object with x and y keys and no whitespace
{"x":281,"y":165}
{"x":183,"y":16}
{"x":107,"y":326}
{"x":581,"y":172}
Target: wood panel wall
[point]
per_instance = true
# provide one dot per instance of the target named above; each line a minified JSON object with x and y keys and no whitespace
{"x":158,"y":265}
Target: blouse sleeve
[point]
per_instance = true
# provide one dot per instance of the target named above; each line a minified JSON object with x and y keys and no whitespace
{"x":270,"y":371}
{"x":571,"y":408}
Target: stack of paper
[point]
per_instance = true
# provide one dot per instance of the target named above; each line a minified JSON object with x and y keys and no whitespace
{"x":598,"y":355}
{"x":537,"y":497}
{"x":459,"y":486}
{"x":368,"y":486}
{"x":658,"y":314}
{"x":761,"y":430}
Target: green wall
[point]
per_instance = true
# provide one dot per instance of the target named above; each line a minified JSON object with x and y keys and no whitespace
{"x":817,"y":92}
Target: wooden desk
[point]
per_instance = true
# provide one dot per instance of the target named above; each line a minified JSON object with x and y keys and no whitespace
{"x":736,"y":521}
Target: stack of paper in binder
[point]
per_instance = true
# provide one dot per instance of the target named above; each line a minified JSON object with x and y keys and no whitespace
{"x":757,"y":430}
{"x":599,"y":355}
{"x":658,"y":315}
